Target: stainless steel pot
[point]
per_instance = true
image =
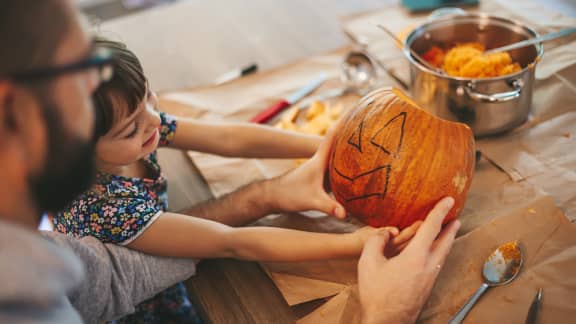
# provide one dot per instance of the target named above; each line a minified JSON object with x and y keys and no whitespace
{"x":490,"y":105}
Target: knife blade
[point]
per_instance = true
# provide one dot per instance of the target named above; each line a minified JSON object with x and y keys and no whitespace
{"x":533,"y":311}
{"x":296,"y":96}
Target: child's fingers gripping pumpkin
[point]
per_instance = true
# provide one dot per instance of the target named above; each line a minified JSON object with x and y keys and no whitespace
{"x":308,"y":183}
{"x":400,"y":241}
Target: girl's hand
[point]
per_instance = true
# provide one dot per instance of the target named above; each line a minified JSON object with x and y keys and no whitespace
{"x":304,"y":187}
{"x":363,"y":233}
{"x":398,"y":239}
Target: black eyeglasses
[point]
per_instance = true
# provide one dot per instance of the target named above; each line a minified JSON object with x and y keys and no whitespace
{"x":100,"y":59}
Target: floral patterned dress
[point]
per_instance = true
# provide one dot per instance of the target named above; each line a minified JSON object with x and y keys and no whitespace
{"x":117,"y":210}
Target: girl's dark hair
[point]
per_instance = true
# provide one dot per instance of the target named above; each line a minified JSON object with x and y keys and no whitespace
{"x":127,"y":85}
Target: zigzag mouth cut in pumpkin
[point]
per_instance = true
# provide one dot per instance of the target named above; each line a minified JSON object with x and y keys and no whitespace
{"x":392,"y":161}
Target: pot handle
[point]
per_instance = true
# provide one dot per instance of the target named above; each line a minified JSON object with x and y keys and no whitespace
{"x":470,"y":89}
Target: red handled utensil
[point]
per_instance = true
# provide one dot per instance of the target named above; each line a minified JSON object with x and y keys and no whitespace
{"x":273,"y":110}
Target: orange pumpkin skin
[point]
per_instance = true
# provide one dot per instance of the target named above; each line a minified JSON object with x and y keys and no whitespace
{"x":391,"y":161}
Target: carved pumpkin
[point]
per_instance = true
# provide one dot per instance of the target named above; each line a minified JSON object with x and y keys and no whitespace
{"x":391,"y":161}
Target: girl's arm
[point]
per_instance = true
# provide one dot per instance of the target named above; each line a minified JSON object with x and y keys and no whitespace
{"x":242,"y":140}
{"x":179,"y":235}
{"x":184,"y":236}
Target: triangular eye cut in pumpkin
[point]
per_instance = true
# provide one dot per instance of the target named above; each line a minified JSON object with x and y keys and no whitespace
{"x":389,"y":137}
{"x":356,"y":137}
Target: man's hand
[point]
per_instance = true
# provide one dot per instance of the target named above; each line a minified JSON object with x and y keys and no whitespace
{"x":394,"y":290}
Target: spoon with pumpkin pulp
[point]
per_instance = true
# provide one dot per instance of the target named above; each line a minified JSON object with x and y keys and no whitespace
{"x":500,"y":268}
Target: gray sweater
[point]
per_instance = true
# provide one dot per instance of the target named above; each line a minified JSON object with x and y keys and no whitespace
{"x":52,"y":278}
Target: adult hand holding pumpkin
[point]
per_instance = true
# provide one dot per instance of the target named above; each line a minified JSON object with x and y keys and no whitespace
{"x":394,"y":290}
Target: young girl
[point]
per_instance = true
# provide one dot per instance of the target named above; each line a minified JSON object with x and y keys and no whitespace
{"x":127,"y":204}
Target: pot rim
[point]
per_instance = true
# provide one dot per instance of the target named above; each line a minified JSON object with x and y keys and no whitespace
{"x":475,"y":17}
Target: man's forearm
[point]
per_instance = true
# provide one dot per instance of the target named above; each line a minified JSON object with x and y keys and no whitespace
{"x":240,"y":207}
{"x":117,"y":278}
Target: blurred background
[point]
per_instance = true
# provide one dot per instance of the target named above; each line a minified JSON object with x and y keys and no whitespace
{"x":186,"y":43}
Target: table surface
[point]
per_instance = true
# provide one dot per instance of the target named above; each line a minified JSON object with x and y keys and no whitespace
{"x":230,"y":291}
{"x":192,"y":42}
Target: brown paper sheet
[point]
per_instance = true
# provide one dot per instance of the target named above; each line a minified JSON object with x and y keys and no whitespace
{"x":340,"y":309}
{"x":498,"y":203}
{"x":549,"y":246}
{"x":296,"y":289}
{"x":544,"y":156}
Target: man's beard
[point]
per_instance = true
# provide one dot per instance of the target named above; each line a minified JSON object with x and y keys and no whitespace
{"x":69,"y":167}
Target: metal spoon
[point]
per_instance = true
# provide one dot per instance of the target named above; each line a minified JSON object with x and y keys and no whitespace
{"x":412,"y":52}
{"x":357,"y":72}
{"x":362,"y":43}
{"x":528,"y":42}
{"x":500,"y":268}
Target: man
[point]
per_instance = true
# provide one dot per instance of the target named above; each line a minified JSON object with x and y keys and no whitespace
{"x":47,"y":75}
{"x":48,"y":72}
